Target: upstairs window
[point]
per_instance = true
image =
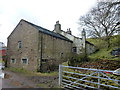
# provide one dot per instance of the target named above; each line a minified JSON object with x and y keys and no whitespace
{"x":61,"y":54}
{"x":13,"y":60}
{"x":24,"y":61}
{"x":19,"y":44}
{"x":74,"y":49}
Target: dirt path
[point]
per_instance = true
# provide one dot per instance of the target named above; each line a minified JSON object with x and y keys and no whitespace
{"x":45,"y":81}
{"x":16,"y":80}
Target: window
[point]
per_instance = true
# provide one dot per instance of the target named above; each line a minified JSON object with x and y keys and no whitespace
{"x":61,"y":54}
{"x":13,"y":60}
{"x":19,"y":44}
{"x":24,"y":61}
{"x":44,"y":60}
{"x":74,"y":49}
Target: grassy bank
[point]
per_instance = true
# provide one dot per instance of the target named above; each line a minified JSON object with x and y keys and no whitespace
{"x":100,"y":43}
{"x":103,"y":52}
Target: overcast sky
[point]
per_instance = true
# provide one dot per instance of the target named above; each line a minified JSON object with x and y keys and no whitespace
{"x":44,"y":13}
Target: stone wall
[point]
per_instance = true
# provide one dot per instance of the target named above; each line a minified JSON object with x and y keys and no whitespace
{"x":90,"y":49}
{"x":33,"y":43}
{"x":77,"y":42}
{"x":29,"y":50}
{"x":54,"y":51}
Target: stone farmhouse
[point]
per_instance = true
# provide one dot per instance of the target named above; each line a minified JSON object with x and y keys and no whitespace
{"x":35,"y":48}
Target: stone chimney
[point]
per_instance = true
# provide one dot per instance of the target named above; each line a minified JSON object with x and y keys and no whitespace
{"x":57,"y":27}
{"x":84,"y":38}
{"x":69,"y":31}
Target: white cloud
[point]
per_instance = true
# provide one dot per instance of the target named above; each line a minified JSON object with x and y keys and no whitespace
{"x":41,"y":12}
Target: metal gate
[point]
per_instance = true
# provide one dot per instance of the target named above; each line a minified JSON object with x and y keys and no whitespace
{"x":86,"y":78}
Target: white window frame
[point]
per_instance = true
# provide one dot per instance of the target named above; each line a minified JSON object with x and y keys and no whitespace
{"x":19,"y":44}
{"x":12,"y":61}
{"x":22,"y":61}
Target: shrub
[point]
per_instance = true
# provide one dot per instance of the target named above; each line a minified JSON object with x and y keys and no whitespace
{"x":76,"y":60}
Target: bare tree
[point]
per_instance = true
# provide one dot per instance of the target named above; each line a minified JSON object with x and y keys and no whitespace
{"x":103,"y":20}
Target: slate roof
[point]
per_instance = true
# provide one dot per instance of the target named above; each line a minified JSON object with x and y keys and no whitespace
{"x":48,"y":32}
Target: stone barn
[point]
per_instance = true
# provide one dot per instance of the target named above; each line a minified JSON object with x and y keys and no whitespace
{"x":35,"y":48}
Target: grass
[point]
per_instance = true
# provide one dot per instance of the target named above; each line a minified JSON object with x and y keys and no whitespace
{"x":1,"y":61}
{"x":101,"y":43}
{"x":41,"y":85}
{"x":30,"y":73}
{"x":18,"y":70}
{"x":46,"y":74}
{"x":65,"y":63}
{"x":45,"y":86}
{"x":103,"y":54}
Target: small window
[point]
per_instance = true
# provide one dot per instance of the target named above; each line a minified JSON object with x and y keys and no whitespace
{"x":61,"y":54}
{"x":13,"y":60}
{"x":24,"y":61}
{"x":19,"y":44}
{"x":74,"y":49}
{"x":44,"y":60}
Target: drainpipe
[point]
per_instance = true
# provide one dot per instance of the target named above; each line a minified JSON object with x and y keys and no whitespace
{"x":40,"y":51}
{"x":41,"y":39}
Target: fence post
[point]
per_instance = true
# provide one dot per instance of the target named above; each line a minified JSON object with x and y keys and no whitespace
{"x":60,"y":75}
{"x":98,"y":79}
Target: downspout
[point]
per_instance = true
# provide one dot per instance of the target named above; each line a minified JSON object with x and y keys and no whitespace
{"x":41,"y":38}
{"x":40,"y":51}
{"x":38,"y":61}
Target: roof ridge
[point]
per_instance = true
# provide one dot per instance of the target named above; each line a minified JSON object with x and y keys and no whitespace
{"x":33,"y":24}
{"x":46,"y":31}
